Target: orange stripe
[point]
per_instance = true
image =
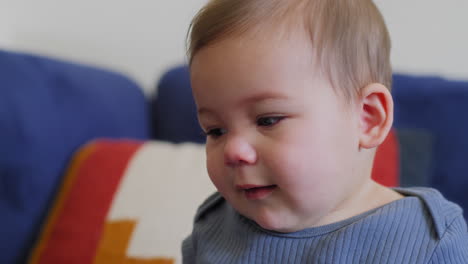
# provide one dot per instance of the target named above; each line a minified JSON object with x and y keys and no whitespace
{"x":114,"y":244}
{"x":67,"y":184}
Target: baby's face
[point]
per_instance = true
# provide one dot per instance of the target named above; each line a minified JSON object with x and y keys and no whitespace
{"x":281,"y":145}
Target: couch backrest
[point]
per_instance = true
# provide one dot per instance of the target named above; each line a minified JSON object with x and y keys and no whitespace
{"x":432,"y":113}
{"x":48,"y":108}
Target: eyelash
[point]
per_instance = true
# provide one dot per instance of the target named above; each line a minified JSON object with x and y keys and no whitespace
{"x":266,"y":121}
{"x":215,"y":132}
{"x":276,"y":120}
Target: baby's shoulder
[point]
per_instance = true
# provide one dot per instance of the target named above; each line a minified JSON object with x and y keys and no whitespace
{"x":210,"y":205}
{"x":438,"y":211}
{"x":450,"y":226}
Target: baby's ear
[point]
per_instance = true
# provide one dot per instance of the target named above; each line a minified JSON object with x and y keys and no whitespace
{"x":376,"y":115}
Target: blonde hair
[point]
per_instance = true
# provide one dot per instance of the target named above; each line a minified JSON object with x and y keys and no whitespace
{"x":349,"y":37}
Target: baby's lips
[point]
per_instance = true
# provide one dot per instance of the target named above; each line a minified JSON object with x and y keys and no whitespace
{"x":258,"y":193}
{"x":253,"y":186}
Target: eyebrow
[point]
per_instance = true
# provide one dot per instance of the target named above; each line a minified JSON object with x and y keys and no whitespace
{"x":252,"y":99}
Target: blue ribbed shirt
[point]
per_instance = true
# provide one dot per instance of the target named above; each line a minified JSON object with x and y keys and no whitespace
{"x":422,"y":227}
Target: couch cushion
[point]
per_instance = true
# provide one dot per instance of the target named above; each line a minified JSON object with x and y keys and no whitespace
{"x":173,"y":110}
{"x":134,"y":202}
{"x":416,"y":149}
{"x":125,"y":202}
{"x":48,"y":108}
{"x":386,"y":169}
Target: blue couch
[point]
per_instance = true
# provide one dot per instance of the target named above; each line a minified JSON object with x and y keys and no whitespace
{"x":49,"y":108}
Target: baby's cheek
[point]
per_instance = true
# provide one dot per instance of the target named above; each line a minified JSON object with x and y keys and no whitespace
{"x":212,"y":167}
{"x":303,"y":168}
{"x":217,"y":172}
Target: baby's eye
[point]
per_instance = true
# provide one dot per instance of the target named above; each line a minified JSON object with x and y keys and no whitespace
{"x":269,"y":120}
{"x":215,"y":132}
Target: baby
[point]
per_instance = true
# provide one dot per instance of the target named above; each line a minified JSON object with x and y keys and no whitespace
{"x":294,"y":98}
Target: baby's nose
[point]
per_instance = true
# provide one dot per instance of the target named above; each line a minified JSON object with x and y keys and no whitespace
{"x":238,"y":151}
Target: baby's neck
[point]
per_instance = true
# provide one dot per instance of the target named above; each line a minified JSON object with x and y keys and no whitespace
{"x":371,"y":196}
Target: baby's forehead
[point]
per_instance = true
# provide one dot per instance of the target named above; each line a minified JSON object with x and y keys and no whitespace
{"x":266,"y":49}
{"x":254,"y":59}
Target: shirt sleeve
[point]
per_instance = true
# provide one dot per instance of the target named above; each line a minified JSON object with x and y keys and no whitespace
{"x":188,"y":250}
{"x":453,"y":247}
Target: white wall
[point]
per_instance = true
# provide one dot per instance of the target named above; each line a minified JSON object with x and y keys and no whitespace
{"x":143,"y":38}
{"x":428,"y":36}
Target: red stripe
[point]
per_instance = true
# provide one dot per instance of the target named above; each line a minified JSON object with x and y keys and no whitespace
{"x":77,"y":231}
{"x":386,"y":168}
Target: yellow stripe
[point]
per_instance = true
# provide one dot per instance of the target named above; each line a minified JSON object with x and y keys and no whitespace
{"x":69,"y":178}
{"x":114,"y":244}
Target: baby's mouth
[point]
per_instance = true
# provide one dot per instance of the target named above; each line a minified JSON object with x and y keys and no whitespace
{"x":258,"y":192}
